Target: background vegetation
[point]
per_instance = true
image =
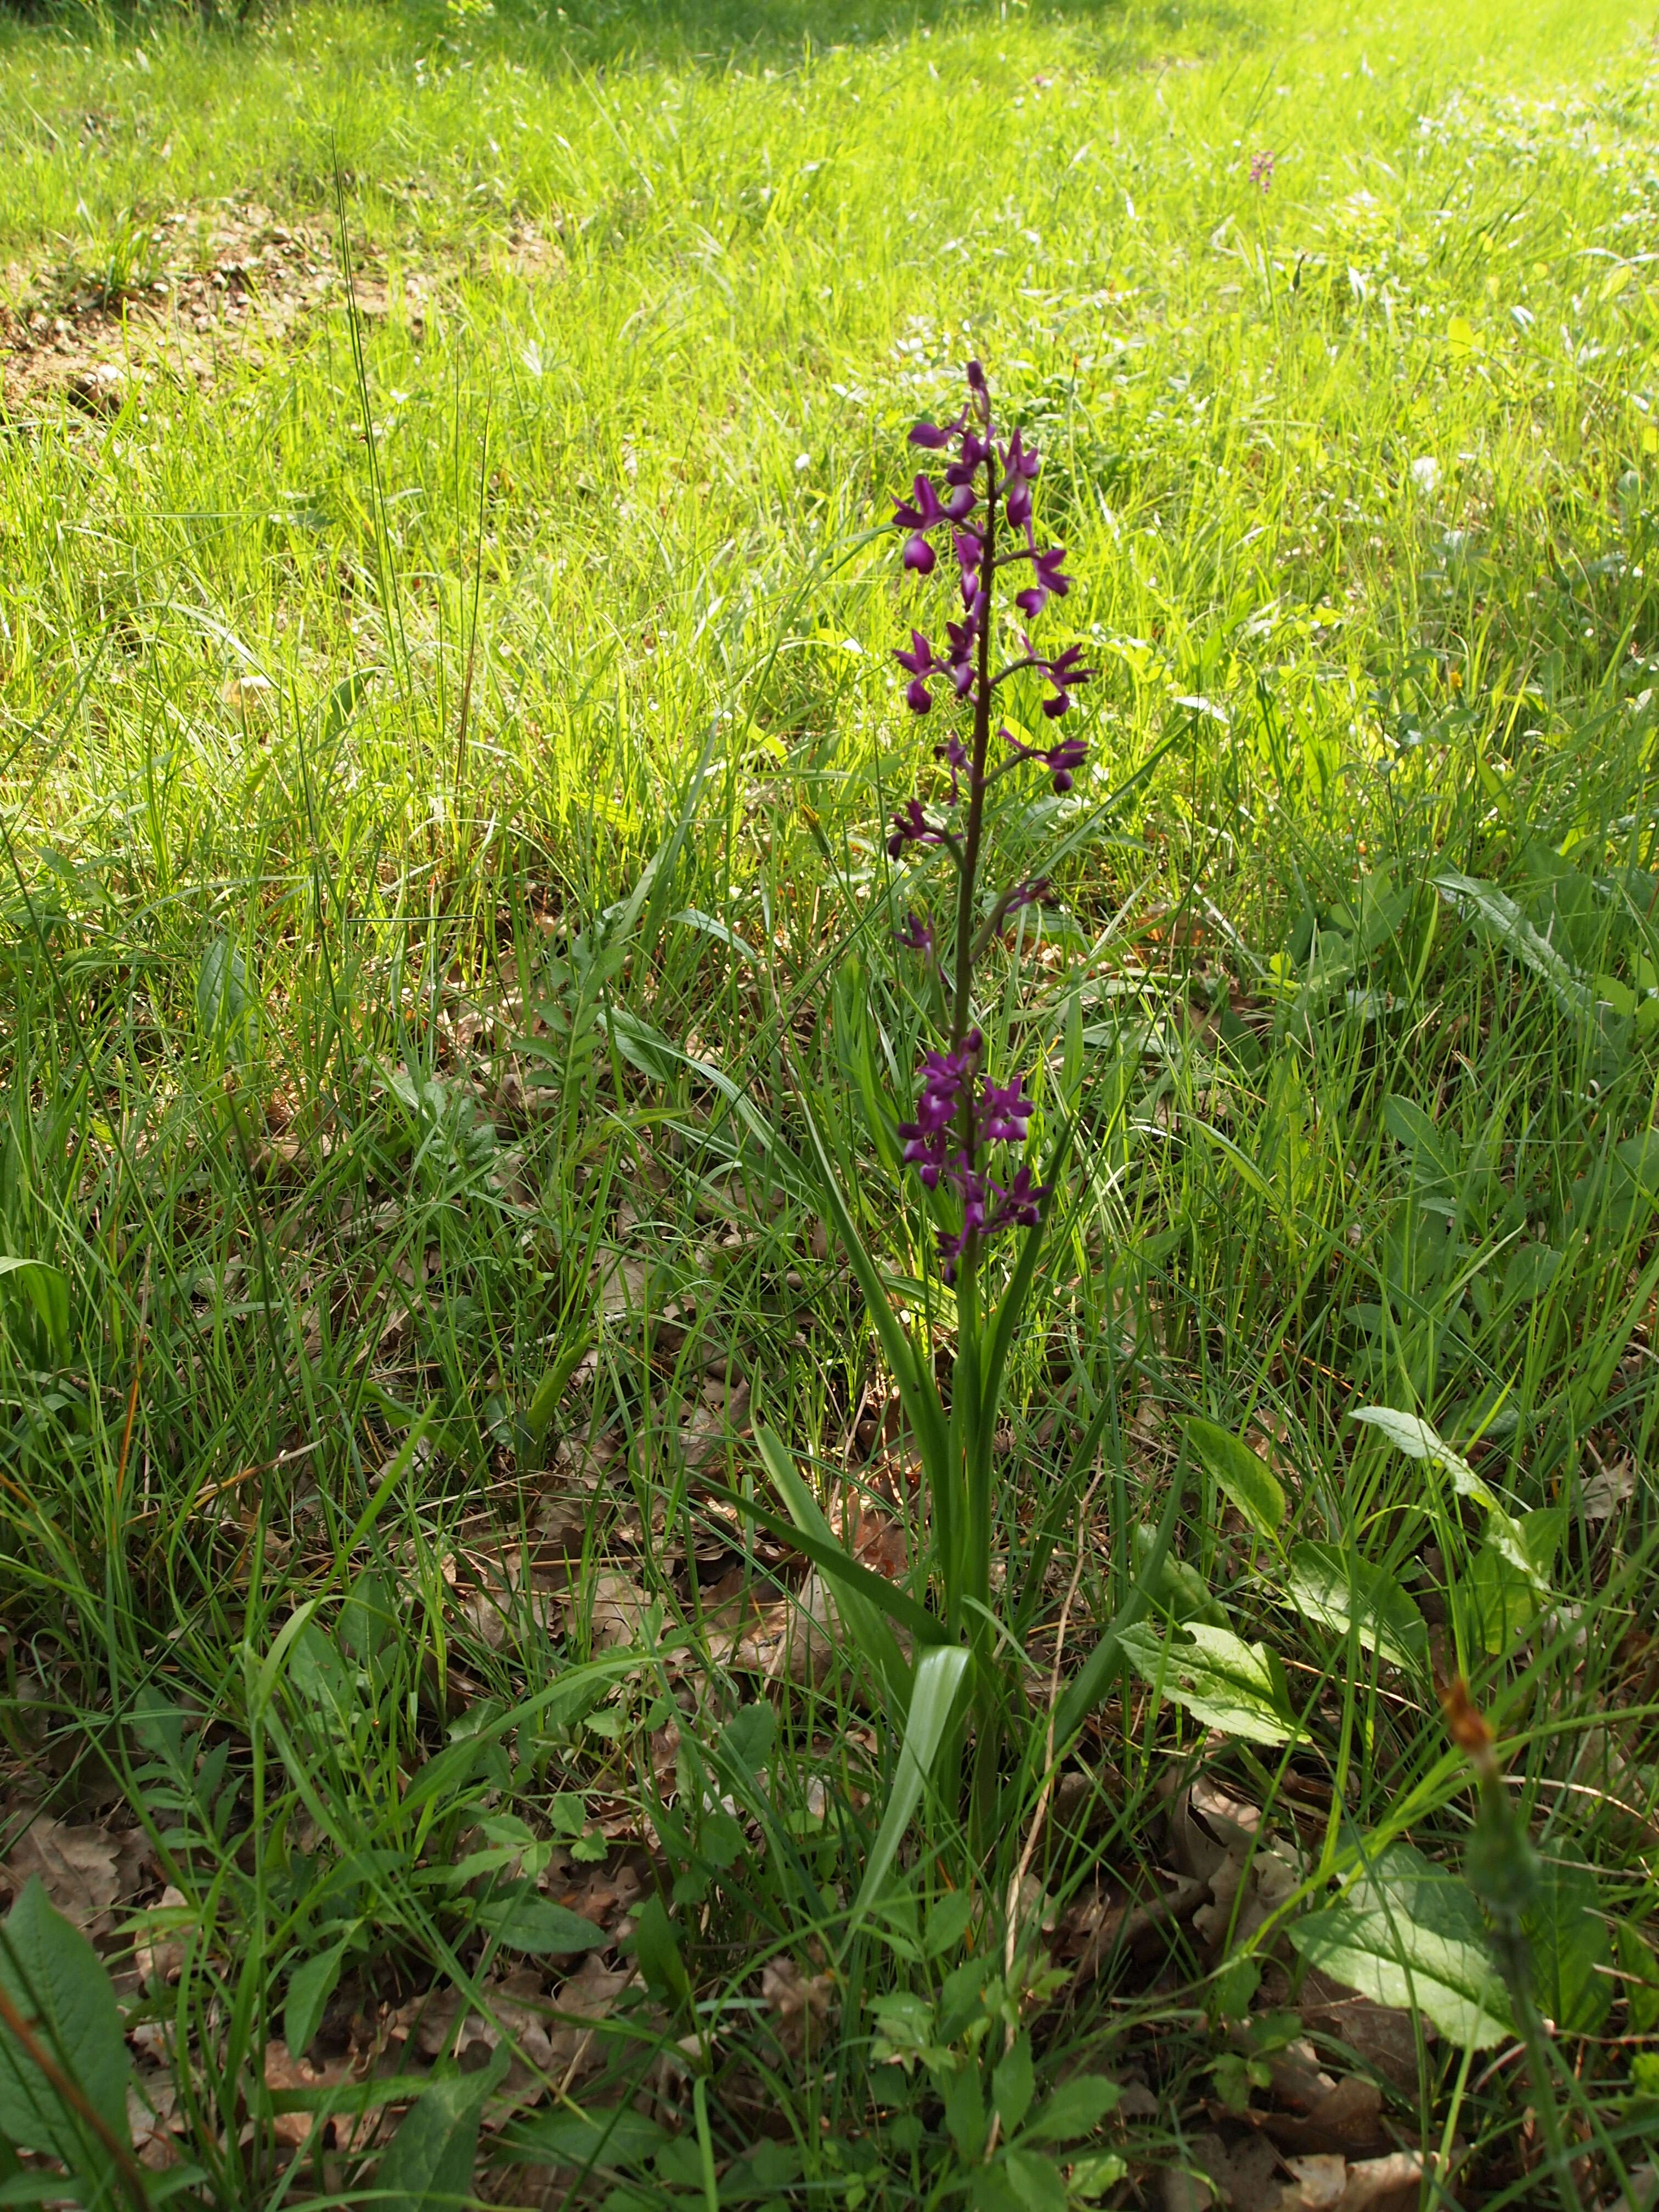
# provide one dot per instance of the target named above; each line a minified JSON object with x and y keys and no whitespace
{"x":448,"y":712}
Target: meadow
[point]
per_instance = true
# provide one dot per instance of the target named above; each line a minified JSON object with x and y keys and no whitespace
{"x":461,"y":1302}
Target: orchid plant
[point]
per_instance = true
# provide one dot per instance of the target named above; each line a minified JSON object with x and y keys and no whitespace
{"x":968,"y":1142}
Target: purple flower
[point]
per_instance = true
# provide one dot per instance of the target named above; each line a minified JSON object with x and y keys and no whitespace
{"x":918,"y":555}
{"x":921,"y":665}
{"x":927,"y":1138}
{"x":1261,"y":169}
{"x":955,"y":753}
{"x":1062,"y":672}
{"x":912,"y":827}
{"x":917,"y":934}
{"x":1019,"y":1202}
{"x":923,"y":511}
{"x":1050,"y":582}
{"x":1019,"y":473}
{"x":1002,"y":1114}
{"x":1061,"y":759}
{"x":975,"y":452}
{"x":933,"y":437}
{"x":1035,"y":890}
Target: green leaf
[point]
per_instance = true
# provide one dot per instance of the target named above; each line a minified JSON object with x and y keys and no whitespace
{"x":964,"y":2113}
{"x":1093,"y":2176}
{"x":224,"y":1005}
{"x":55,"y":1979}
{"x":947,"y":1922}
{"x":1326,"y":1585}
{"x":860,"y":1608}
{"x":1036,"y":2181}
{"x":310,"y":1986}
{"x":1013,"y":2082}
{"x":427,"y":2166}
{"x":657,"y":1948}
{"x":535,"y":1925}
{"x":1409,"y":1126}
{"x":1410,"y":1934}
{"x":1075,"y":2109}
{"x":1567,"y":1940}
{"x":1253,"y":1486}
{"x":1640,"y":1970}
{"x":46,"y":1289}
{"x":939,"y":1676}
{"x":1504,"y":920}
{"x":1411,"y":1434}
{"x":1223,"y":1682}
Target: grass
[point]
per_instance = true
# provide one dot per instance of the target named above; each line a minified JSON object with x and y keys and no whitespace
{"x":444,"y":754}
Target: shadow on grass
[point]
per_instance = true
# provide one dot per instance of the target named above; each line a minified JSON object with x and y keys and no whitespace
{"x":738,"y":34}
{"x":705,"y":33}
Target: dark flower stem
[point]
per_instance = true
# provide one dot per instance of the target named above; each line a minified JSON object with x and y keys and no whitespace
{"x":962,"y":1014}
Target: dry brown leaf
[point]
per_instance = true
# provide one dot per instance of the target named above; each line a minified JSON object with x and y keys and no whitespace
{"x":586,"y":1998}
{"x":283,"y":2071}
{"x":1321,"y":2178}
{"x":1609,"y":1488}
{"x":800,"y":2003}
{"x":158,"y":1955}
{"x":1382,"y":2035}
{"x":618,"y":1610}
{"x":76,"y":1866}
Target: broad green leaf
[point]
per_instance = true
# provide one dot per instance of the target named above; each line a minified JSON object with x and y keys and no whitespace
{"x":310,"y":1986}
{"x":1327,"y":1586}
{"x":1411,"y":1126}
{"x":1409,"y":1933}
{"x":606,"y":2138}
{"x":427,"y":2166}
{"x":46,"y":1289}
{"x":1568,"y":1944}
{"x":224,"y":1004}
{"x":1252,"y":1485}
{"x":1037,"y":2183}
{"x":55,"y":1977}
{"x":1075,"y":2109}
{"x":1223,"y":1682}
{"x":535,"y":1925}
{"x":939,"y":1676}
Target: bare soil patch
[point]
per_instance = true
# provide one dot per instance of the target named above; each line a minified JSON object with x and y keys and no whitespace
{"x":212,"y":285}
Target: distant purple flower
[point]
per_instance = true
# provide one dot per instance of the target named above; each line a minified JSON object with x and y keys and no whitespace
{"x":917,"y":934}
{"x":1261,"y":169}
{"x":1035,"y":890}
{"x":912,"y":827}
{"x":954,"y":753}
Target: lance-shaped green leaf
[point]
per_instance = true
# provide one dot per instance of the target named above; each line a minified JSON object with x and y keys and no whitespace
{"x":57,"y":1981}
{"x":1410,"y":1933}
{"x":1223,"y":1682}
{"x":1252,"y":1485}
{"x":1411,"y":1434}
{"x":1504,"y":920}
{"x":938,"y":1677}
